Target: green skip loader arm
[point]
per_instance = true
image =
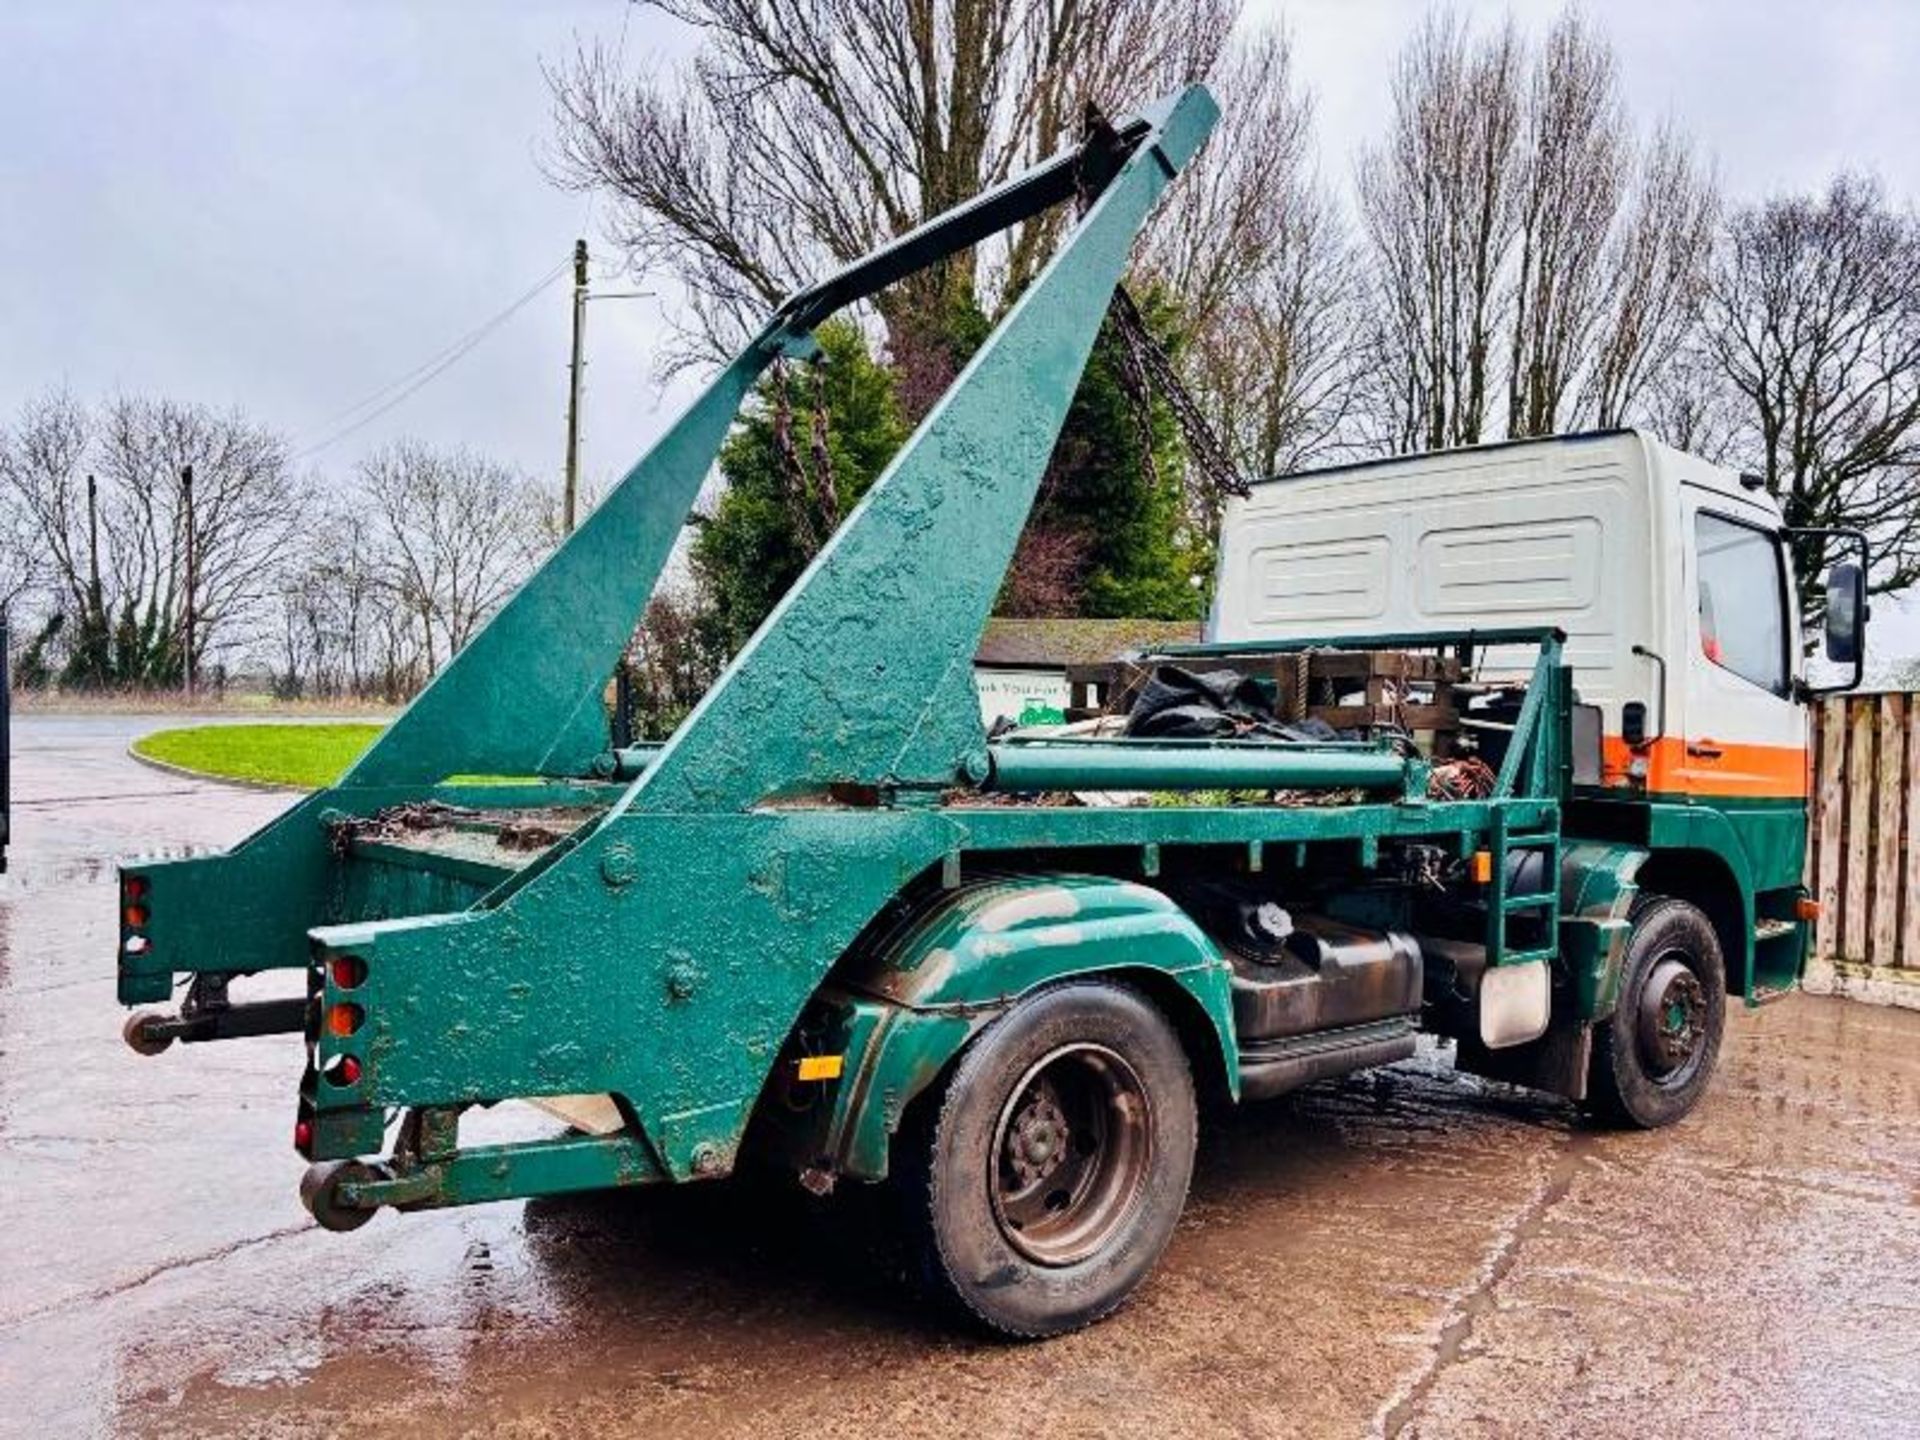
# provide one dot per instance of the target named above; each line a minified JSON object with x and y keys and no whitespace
{"x":661,"y":953}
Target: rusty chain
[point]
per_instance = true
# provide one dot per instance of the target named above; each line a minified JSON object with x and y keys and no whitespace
{"x":804,"y":496}
{"x":828,"y":494}
{"x":793,"y":476}
{"x":1146,"y":367}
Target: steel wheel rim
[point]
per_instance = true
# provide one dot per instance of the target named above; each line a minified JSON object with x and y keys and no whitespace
{"x":1671,"y":1023}
{"x":1070,"y":1154}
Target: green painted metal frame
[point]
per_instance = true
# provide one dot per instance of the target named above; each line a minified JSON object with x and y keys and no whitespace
{"x":663,"y":953}
{"x":901,"y":1011}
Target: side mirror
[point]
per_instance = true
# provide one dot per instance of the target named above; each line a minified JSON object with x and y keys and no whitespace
{"x":1846,"y":614}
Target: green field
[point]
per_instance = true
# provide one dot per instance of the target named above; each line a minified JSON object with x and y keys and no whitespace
{"x":305,"y":755}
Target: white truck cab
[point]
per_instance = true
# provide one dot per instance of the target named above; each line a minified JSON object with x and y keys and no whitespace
{"x":1672,"y":583}
{"x":1669,"y":576}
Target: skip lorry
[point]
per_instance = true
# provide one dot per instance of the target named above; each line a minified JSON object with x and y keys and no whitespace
{"x":1502,"y":745}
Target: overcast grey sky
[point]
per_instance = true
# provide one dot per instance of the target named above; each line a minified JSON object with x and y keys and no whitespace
{"x":285,"y":206}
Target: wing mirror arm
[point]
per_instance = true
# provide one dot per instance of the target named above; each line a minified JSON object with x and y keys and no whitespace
{"x":1847,"y":610}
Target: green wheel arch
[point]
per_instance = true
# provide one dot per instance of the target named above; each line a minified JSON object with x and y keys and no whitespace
{"x":904,"y":1009}
{"x":1709,"y":856}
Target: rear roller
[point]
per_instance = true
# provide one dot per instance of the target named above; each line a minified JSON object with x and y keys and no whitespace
{"x":320,"y":1193}
{"x":143,"y":1034}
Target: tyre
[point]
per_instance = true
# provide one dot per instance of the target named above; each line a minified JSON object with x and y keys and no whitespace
{"x":1052,"y":1167}
{"x":1653,"y":1057}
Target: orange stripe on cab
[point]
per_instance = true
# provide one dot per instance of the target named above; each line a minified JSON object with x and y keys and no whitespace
{"x":1710,"y":767}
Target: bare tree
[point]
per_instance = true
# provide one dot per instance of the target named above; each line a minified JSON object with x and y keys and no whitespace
{"x":809,"y":131}
{"x":1047,"y":572}
{"x":1255,"y":252}
{"x":22,"y":560}
{"x":672,"y":661}
{"x":1656,"y":271}
{"x":1689,"y":404}
{"x":1813,"y":317}
{"x":1512,"y":195}
{"x":1439,"y":201}
{"x":330,"y":604}
{"x":43,"y":456}
{"x":117,"y":549}
{"x":304,"y":604}
{"x":246,"y":509}
{"x":454,"y":533}
{"x":1572,"y":169}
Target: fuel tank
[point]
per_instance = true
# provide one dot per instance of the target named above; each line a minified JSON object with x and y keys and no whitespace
{"x":1322,"y":975}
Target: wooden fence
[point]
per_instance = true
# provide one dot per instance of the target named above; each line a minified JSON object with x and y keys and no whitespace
{"x":1860,"y":864}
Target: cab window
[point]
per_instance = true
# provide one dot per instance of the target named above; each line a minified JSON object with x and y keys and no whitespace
{"x":1742,"y":601}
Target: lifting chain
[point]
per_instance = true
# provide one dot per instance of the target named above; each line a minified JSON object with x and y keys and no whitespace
{"x":827,"y":495}
{"x":1145,"y":365}
{"x":813,"y":506}
{"x":793,"y":476}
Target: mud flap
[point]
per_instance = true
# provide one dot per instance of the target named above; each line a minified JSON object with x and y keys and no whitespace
{"x":1556,"y":1062}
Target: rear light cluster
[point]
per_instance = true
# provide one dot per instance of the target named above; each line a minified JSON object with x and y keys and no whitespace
{"x":334,"y":1020}
{"x":136,"y":911}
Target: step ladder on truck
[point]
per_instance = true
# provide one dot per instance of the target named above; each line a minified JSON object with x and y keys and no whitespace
{"x":824,"y":925}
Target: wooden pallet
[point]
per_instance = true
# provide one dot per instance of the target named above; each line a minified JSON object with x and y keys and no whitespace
{"x":1347,"y":689}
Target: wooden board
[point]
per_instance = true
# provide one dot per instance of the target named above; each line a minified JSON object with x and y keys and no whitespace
{"x":1830,"y":807}
{"x":1407,"y":717}
{"x":1889,"y":837}
{"x":1910,"y":857}
{"x":1858,"y":908}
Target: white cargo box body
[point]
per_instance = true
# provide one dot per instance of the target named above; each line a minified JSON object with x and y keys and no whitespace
{"x":1580,"y":532}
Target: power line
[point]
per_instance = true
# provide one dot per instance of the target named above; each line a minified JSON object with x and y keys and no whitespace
{"x":394,"y":392}
{"x":391,"y":385}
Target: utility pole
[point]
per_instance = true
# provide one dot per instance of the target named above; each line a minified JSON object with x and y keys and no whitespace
{"x":186,"y":500}
{"x":93,"y":548}
{"x":571,"y":495}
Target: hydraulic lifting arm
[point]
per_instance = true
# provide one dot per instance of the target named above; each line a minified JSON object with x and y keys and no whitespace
{"x":662,"y":953}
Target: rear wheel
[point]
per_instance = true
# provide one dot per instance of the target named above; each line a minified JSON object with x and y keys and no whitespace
{"x":1056,"y":1165}
{"x":1653,"y":1057}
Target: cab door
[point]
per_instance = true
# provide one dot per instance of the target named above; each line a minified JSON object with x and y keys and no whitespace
{"x":1744,"y":732}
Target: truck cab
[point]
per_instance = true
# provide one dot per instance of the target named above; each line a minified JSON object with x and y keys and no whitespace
{"x":1672,"y":581}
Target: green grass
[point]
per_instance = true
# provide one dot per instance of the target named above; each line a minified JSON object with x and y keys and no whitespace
{"x":306,"y":755}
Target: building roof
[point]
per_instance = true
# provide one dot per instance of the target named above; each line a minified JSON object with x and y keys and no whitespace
{"x":1056,"y":644}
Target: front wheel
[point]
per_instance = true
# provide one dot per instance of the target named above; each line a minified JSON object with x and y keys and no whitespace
{"x":1653,"y":1057}
{"x":1058,"y":1160}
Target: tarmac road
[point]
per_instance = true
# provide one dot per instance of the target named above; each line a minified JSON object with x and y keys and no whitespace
{"x":1409,"y":1252}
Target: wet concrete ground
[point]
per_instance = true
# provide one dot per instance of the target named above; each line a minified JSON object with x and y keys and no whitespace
{"x":1408,"y":1252}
